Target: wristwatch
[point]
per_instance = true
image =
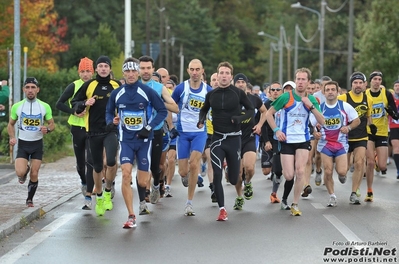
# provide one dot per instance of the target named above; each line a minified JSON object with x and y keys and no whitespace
{"x":311,"y":108}
{"x":48,"y":130}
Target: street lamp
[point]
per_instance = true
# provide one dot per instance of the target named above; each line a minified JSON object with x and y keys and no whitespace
{"x":321,"y":28}
{"x":280,"y":48}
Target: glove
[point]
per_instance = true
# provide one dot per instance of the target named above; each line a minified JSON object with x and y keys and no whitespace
{"x":373,"y":129}
{"x":110,"y":127}
{"x":173,"y":133}
{"x":235,"y":119}
{"x":392,"y":113}
{"x":80,"y":107}
{"x":144,"y":132}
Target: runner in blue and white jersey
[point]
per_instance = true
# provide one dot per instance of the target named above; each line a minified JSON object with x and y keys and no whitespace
{"x":190,"y":97}
{"x":134,"y":103}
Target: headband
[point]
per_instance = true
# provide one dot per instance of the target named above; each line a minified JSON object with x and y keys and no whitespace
{"x":373,"y":74}
{"x":358,"y":76}
{"x":130,"y":65}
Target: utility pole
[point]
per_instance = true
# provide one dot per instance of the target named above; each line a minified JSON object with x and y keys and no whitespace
{"x":350,"y":46}
{"x":161,"y":34}
{"x":147,"y":27}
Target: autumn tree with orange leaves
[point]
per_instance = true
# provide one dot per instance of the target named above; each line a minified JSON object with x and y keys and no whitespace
{"x":40,"y":32}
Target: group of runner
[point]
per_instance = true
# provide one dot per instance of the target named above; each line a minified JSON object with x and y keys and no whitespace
{"x":149,"y":120}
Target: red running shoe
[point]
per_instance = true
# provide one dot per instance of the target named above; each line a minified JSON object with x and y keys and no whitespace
{"x":222,"y":215}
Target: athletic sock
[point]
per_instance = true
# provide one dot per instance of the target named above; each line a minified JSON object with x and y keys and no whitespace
{"x":32,"y":187}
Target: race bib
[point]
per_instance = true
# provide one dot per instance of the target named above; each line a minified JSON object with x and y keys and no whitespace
{"x":30,"y":122}
{"x":195,"y":102}
{"x":378,"y":110}
{"x":133,"y":120}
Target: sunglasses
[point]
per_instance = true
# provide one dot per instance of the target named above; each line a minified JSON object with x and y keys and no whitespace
{"x":273,"y":90}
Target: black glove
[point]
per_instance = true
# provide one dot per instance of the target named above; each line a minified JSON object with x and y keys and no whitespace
{"x":144,"y":132}
{"x":173,"y":133}
{"x":373,"y":129}
{"x":80,"y":107}
{"x":392,"y":113}
{"x":110,"y":127}
{"x":235,"y":119}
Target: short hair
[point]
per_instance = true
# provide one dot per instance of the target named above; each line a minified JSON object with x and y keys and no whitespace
{"x":130,"y":59}
{"x":174,"y":78}
{"x":147,"y":58}
{"x":331,"y":83}
{"x":305,"y":70}
{"x":227,"y":65}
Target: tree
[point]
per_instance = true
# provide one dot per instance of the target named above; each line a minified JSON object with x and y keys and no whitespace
{"x":43,"y":33}
{"x":378,"y":42}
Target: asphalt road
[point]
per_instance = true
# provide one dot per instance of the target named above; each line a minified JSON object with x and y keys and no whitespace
{"x":260,"y":233}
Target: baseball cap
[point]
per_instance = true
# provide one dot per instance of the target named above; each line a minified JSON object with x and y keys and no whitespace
{"x":291,"y":83}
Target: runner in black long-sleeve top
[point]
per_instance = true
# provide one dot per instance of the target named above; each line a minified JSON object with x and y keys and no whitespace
{"x":226,"y":103}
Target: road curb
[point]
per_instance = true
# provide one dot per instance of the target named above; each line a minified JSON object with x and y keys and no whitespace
{"x":28,"y":215}
{"x":7,"y":178}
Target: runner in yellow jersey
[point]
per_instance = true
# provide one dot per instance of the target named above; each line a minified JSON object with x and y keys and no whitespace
{"x":383,"y":104}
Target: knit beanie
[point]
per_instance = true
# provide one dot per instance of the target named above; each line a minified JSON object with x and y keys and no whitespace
{"x":86,"y":64}
{"x":103,"y":59}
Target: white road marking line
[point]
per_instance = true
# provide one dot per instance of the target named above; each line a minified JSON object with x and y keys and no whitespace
{"x":343,"y":229}
{"x":22,"y":249}
{"x":318,"y":206}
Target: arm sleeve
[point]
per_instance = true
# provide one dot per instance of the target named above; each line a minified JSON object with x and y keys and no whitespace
{"x":249,"y":108}
{"x":66,"y":95}
{"x":391,"y":101}
{"x":204,"y":110}
{"x":110,"y":108}
{"x":78,"y":101}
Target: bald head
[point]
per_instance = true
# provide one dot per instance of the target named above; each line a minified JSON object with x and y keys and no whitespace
{"x":195,"y":70}
{"x":164,"y":75}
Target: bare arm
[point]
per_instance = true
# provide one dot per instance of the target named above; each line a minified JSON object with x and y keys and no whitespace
{"x":170,"y":104}
{"x":257,"y":128}
{"x":11,"y":131}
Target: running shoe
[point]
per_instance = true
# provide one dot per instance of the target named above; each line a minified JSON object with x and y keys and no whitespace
{"x":342,"y":179}
{"x":274,"y":198}
{"x":306,"y":191}
{"x":87,"y":204}
{"x":203,"y":169}
{"x":143,"y":208}
{"x":168,"y":193}
{"x":284,"y":205}
{"x":108,"y":201}
{"x":248,"y":192}
{"x":131,"y":222}
{"x":222,"y":215}
{"x":155,"y":195}
{"x":358,"y":194}
{"x":213,"y":197}
{"x":22,"y":179}
{"x":354,"y":199}
{"x":100,"y":210}
{"x":295,"y":210}
{"x":161,"y":188}
{"x":352,"y":168}
{"x":369,"y":197}
{"x":200,"y":181}
{"x":188,"y":211}
{"x":184,"y":181}
{"x":397,"y":177}
{"x":239,"y":203}
{"x":113,"y":190}
{"x":332,"y":202}
{"x":29,"y":203}
{"x":83,"y":188}
{"x":317,"y":179}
